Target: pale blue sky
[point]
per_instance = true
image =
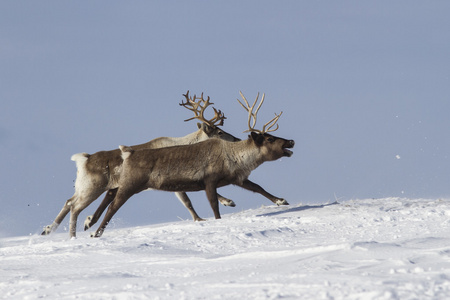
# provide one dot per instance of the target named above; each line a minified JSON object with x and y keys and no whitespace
{"x":364,"y":87}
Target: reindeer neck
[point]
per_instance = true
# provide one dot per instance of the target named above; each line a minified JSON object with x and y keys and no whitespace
{"x":247,"y":154}
{"x":194,"y":137}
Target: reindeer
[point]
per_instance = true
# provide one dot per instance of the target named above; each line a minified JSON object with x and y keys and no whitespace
{"x":202,"y":166}
{"x":99,"y":172}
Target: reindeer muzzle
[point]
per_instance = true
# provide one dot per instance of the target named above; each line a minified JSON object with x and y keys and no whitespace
{"x":289,"y":144}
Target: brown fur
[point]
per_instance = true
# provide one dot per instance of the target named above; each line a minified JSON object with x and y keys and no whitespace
{"x":203,"y":166}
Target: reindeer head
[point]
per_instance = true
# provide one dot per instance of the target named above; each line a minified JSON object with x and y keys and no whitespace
{"x":216,"y":132}
{"x":210,"y":127}
{"x":272,"y":147}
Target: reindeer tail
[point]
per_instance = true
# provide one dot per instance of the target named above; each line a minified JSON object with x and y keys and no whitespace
{"x":126,"y":151}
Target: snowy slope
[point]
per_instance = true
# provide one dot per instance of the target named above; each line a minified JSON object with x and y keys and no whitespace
{"x":360,"y":249}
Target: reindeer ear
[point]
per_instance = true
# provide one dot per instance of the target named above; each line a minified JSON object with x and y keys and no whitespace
{"x":258,"y":138}
{"x":205,"y":127}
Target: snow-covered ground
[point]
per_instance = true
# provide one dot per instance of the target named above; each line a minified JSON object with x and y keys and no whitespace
{"x":360,"y":249}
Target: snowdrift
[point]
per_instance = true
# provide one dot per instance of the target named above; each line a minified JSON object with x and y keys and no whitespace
{"x":360,"y":249}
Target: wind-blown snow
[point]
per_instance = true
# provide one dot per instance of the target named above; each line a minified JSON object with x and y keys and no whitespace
{"x":360,"y":249}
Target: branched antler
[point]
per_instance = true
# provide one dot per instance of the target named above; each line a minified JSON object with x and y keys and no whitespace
{"x":253,"y":115}
{"x":271,"y":123}
{"x":198,"y":106}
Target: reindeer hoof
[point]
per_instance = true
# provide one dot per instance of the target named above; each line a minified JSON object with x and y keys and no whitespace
{"x":281,"y":202}
{"x":47,"y":230}
{"x":97,"y":234}
{"x":87,"y":223}
{"x":227,"y":202}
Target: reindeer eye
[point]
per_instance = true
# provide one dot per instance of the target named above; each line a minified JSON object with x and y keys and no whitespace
{"x":270,"y":139}
{"x":220,"y":133}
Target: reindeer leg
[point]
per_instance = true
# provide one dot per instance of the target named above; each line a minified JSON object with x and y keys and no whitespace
{"x":59,"y":218}
{"x":211,"y":194}
{"x":251,"y":186}
{"x":121,"y":197}
{"x":91,"y":220}
{"x":182,"y":196}
{"x":82,"y":202}
{"x":225,"y":201}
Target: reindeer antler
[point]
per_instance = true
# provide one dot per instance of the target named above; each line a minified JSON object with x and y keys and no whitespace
{"x":253,"y":115}
{"x":198,"y":106}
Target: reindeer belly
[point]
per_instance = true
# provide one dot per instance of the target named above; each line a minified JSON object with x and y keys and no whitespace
{"x":174,"y":182}
{"x":181,"y":186}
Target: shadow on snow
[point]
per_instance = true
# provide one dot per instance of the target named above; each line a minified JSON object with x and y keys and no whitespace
{"x":296,"y":209}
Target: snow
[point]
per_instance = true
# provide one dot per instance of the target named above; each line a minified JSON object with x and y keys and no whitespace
{"x":392,"y":248}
